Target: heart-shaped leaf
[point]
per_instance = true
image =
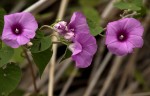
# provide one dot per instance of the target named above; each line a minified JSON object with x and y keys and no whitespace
{"x":10,"y":76}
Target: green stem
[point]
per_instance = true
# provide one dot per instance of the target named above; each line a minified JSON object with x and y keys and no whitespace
{"x":45,"y":26}
{"x":0,"y":44}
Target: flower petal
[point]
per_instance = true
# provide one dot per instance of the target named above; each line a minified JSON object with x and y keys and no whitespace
{"x":112,"y":28}
{"x":130,"y":47}
{"x":82,"y":37}
{"x":28,"y":33}
{"x":137,"y":41}
{"x":118,"y":48}
{"x":82,"y":60}
{"x":11,"y":43}
{"x":137,"y":31}
{"x":22,"y":40}
{"x":76,"y":48}
{"x":130,"y":23}
{"x":110,"y":39}
{"x":78,"y":23}
{"x":9,"y":36}
{"x":28,"y":21}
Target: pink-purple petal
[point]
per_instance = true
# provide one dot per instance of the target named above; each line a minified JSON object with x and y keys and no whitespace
{"x":28,"y":33}
{"x":112,"y":29}
{"x":78,"y":23}
{"x":118,"y":48}
{"x":137,"y":31}
{"x":137,"y":41}
{"x":28,"y":21}
{"x":110,"y":39}
{"x":130,"y":23}
{"x":82,"y":60}
{"x":76,"y":48}
{"x":22,"y":40}
{"x":11,"y":43}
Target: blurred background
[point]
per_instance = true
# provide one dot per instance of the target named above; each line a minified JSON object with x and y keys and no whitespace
{"x":108,"y":74}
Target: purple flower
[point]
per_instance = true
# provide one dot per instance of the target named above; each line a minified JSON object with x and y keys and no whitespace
{"x":124,"y":35}
{"x":84,"y":47}
{"x":77,"y":25}
{"x":60,"y":27}
{"x":19,"y":28}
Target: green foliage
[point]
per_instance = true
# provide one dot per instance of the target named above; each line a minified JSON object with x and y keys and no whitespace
{"x":2,"y":13}
{"x":126,"y":5}
{"x":137,"y":2}
{"x":6,"y":54}
{"x":39,"y":34}
{"x":17,"y":92}
{"x":66,"y":55}
{"x":10,"y":76}
{"x":41,"y":59}
{"x":89,"y":3}
{"x":92,"y":14}
{"x":138,"y":76}
{"x":95,"y":29}
{"x":17,"y":57}
{"x":40,"y":44}
{"x":93,"y":20}
{"x":134,"y":5}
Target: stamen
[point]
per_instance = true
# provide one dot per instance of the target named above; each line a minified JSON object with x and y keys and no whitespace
{"x":121,"y":37}
{"x":16,"y":31}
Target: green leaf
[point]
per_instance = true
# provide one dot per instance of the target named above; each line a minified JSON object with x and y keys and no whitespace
{"x":93,"y":20}
{"x":2,"y":13}
{"x":95,"y":29}
{"x":17,"y":92}
{"x":91,"y":14}
{"x":66,"y":55}
{"x":39,"y":34}
{"x":40,"y":44}
{"x":126,"y":5}
{"x":42,"y":59}
{"x":137,"y":2}
{"x":17,"y":57}
{"x":6,"y":54}
{"x":10,"y":76}
{"x":138,"y":76}
{"x":90,"y":3}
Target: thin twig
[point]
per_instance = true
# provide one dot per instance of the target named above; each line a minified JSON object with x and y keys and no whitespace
{"x":39,"y":6}
{"x":61,"y":71}
{"x":111,"y":75}
{"x":128,"y":69}
{"x":97,"y":75}
{"x":54,"y":48}
{"x":68,"y":83}
{"x":139,"y":94}
{"x":98,"y":58}
{"x":32,"y":70}
{"x":18,"y":6}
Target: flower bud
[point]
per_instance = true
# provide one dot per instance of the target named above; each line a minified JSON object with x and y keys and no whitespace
{"x":60,"y":27}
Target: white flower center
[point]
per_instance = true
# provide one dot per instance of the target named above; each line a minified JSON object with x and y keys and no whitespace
{"x":16,"y":31}
{"x":121,"y":37}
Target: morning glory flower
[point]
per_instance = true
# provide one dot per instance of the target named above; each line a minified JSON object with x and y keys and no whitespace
{"x":18,"y":29}
{"x":76,"y":25}
{"x":123,"y":36}
{"x":83,"y":48}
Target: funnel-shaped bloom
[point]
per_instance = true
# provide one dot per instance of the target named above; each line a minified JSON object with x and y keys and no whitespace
{"x":18,"y":29}
{"x":124,"y":35}
{"x":77,"y":25}
{"x":83,"y":48}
